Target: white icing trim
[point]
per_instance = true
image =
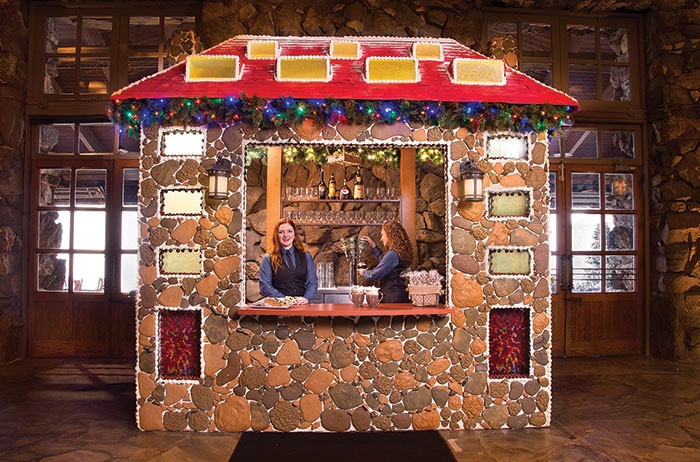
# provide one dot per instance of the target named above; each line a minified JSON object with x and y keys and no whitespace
{"x":274,"y":42}
{"x":157,"y":310}
{"x":531,"y":351}
{"x":366,"y":76}
{"x":334,"y":41}
{"x":181,"y":129}
{"x":510,"y":276}
{"x":414,"y":50}
{"x":279,"y":78}
{"x":525,"y":135}
{"x":190,"y":189}
{"x":162,"y":249}
{"x":498,"y":189}
{"x":451,"y":72}
{"x":235,"y":58}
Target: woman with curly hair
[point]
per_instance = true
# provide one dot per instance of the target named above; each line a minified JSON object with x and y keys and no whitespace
{"x":287,"y":270}
{"x":393,"y":262}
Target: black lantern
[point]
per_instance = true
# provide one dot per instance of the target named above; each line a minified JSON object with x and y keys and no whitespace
{"x":470,"y":186}
{"x":219,"y":173}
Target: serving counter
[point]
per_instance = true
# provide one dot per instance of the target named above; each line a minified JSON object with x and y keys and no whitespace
{"x":347,"y":309}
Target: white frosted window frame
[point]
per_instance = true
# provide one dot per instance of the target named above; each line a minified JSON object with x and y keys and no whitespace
{"x":158,"y":310}
{"x":521,"y":252}
{"x":338,"y":43}
{"x":494,"y":205}
{"x":176,"y":261}
{"x":286,"y":59}
{"x":172,"y":200}
{"x":195,"y":72}
{"x":414,"y":62}
{"x":251,"y":45}
{"x":416,"y":51}
{"x":497,"y":67}
{"x":183,"y":143}
{"x":510,"y":147}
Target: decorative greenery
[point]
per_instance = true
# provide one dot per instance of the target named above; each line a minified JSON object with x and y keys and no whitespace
{"x":267,"y":113}
{"x":430,"y":154}
{"x":256,"y":152}
{"x":323,"y":154}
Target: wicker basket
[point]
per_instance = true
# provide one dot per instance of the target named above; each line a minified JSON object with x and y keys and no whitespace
{"x":424,"y":295}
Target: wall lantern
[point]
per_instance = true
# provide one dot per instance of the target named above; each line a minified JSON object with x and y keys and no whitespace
{"x":470,"y":186}
{"x":219,"y":173}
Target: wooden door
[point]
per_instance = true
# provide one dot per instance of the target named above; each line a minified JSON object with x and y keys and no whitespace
{"x":596,"y":260}
{"x":83,"y":249}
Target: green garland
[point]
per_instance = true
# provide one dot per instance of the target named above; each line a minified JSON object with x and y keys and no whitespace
{"x":264,"y":113}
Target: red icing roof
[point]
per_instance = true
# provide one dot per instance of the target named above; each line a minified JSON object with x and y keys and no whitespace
{"x":347,"y":82}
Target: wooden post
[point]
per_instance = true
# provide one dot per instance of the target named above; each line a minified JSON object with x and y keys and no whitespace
{"x":274,"y":192}
{"x":408,"y":195}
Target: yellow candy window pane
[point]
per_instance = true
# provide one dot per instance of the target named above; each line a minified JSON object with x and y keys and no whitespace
{"x":182,"y":202}
{"x":509,"y":204}
{"x":212,"y":68}
{"x":392,"y":70}
{"x":344,"y":49}
{"x":308,"y":69}
{"x":176,"y":261}
{"x":483,"y":72}
{"x":261,"y":50}
{"x":428,"y":51}
{"x":509,"y":262}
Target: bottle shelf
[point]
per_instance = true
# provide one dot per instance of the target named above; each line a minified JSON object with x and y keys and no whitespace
{"x":349,"y":201}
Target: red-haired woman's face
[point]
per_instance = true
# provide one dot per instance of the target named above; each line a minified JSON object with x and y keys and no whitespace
{"x":285,"y":234}
{"x":385,"y":239}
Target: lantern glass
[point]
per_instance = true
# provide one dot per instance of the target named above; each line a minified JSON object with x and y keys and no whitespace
{"x":218,"y":185}
{"x":472,"y":189}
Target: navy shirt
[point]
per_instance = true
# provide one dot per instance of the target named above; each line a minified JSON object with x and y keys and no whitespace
{"x":387,"y":262}
{"x":265,"y":276}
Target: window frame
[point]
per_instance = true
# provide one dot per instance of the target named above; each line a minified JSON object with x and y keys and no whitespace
{"x":612,"y":111}
{"x":42,"y":104}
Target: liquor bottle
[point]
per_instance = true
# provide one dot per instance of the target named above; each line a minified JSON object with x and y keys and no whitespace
{"x":322,"y":189}
{"x":358,"y":187}
{"x":332,"y":193}
{"x":345,"y":192}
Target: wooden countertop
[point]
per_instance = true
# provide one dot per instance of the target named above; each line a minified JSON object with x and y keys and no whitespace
{"x":346,"y":309}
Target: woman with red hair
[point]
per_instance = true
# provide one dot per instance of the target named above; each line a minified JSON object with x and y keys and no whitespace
{"x":288,"y":270}
{"x":392,"y":263}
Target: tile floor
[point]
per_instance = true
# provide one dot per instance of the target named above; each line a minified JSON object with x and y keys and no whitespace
{"x":604,"y":409}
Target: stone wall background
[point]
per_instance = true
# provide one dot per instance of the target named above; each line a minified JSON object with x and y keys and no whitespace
{"x":673,"y":91}
{"x":13,"y":83}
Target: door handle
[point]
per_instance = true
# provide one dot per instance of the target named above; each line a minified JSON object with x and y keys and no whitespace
{"x":566,"y":272}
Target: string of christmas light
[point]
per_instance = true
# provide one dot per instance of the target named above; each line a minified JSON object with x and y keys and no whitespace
{"x":322,"y":155}
{"x":264,"y":113}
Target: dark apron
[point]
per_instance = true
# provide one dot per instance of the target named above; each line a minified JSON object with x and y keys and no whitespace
{"x":291,"y":282}
{"x":393,"y":286}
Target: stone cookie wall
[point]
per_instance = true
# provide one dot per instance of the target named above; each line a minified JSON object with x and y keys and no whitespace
{"x":335,"y":374}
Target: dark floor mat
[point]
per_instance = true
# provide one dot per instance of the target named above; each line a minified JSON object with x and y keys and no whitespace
{"x":342,"y":447}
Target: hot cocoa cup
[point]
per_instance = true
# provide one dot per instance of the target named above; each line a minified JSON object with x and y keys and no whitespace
{"x":357,"y":297}
{"x":373,"y":297}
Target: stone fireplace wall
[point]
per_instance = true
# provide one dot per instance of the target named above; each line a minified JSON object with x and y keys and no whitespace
{"x":347,"y":373}
{"x":13,"y":83}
